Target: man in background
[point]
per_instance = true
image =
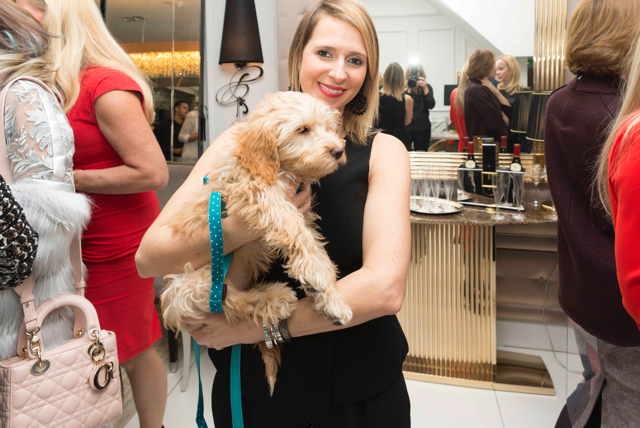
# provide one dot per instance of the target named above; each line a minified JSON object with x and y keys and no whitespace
{"x":163,"y":131}
{"x":189,"y":135}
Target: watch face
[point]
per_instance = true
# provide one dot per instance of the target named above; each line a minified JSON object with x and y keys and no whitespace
{"x":516,"y":167}
{"x":470,"y":164}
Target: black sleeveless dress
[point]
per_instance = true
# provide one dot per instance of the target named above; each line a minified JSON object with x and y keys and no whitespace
{"x":338,"y":367}
{"x":391,"y":118}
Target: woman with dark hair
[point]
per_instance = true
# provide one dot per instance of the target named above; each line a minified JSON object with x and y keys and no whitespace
{"x":578,"y":118}
{"x":396,"y":108}
{"x":486,"y":110}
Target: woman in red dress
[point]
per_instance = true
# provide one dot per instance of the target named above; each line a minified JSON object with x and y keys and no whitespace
{"x":456,"y":114}
{"x":118,"y":164}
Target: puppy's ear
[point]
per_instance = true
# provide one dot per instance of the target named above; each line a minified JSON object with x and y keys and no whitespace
{"x":258,"y":147}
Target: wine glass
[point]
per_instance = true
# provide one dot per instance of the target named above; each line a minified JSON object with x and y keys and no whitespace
{"x":425,"y":188}
{"x":538,"y":173}
{"x":449,"y":185}
{"x":517,"y":192}
{"x":498,"y":186}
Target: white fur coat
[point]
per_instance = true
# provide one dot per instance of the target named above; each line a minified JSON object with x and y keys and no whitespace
{"x":57,"y":216}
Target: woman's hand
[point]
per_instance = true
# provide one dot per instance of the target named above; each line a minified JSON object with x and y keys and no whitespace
{"x":302,"y":200}
{"x":422,"y":83}
{"x":218,"y":333}
{"x":501,"y":98}
{"x":487,"y":83}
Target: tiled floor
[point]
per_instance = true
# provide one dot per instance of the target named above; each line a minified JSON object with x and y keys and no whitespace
{"x":432,"y":405}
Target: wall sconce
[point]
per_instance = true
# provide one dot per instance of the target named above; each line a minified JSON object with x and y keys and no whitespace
{"x":240,"y":34}
{"x":240,"y":46}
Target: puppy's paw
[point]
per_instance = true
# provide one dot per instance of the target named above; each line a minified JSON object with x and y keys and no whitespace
{"x":274,"y":302}
{"x":331,"y":304}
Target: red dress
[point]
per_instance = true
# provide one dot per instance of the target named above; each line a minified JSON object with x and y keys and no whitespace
{"x":457,"y":117}
{"x":624,"y":182}
{"x":124,"y":301}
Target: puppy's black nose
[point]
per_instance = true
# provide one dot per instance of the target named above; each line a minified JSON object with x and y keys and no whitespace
{"x":337,"y":153}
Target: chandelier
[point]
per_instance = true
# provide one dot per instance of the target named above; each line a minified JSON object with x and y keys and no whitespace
{"x":159,"y":64}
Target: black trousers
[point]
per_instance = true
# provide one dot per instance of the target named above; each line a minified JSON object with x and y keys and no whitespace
{"x":391,"y":408}
{"x":421,"y":139}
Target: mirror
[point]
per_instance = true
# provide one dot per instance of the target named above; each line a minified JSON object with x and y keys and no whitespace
{"x":162,"y":37}
{"x":441,"y":34}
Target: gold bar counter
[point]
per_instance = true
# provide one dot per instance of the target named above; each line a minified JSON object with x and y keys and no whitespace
{"x":449,"y":312}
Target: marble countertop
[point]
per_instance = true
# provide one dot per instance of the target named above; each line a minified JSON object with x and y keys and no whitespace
{"x":479,"y":216}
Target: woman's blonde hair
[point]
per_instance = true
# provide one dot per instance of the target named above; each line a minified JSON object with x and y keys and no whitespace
{"x":82,"y":41}
{"x":630,"y":106}
{"x":358,"y":128}
{"x":514,"y":68}
{"x":480,"y":64}
{"x":463,"y":82}
{"x":393,"y":81}
{"x":23,"y":43}
{"x":600,"y":36}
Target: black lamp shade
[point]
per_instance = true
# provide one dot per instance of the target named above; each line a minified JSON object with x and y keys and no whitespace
{"x":240,"y":35}
{"x":521,"y":108}
{"x":535,"y":127}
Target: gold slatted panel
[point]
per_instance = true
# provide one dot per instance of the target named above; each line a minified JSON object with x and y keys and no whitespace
{"x":448,"y":313}
{"x":551,"y":36}
{"x":454,"y":160}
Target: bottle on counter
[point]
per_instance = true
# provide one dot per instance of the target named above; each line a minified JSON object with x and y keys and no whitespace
{"x":471,"y":159}
{"x":516,"y":164}
{"x":503,"y":144}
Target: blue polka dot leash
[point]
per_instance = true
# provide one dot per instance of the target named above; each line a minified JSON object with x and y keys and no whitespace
{"x":219,"y":266}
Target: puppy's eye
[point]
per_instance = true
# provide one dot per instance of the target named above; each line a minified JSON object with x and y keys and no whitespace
{"x":303,"y":130}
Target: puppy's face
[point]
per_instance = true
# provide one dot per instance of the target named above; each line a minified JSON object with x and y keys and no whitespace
{"x":293,"y":132}
{"x":308,"y":144}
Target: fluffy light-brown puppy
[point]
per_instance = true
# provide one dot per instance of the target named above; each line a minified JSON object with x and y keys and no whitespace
{"x":289,"y":138}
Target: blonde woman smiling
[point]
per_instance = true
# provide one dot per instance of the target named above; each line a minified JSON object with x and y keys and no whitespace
{"x":337,"y":377}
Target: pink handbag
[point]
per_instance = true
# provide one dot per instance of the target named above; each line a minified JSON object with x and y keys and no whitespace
{"x":76,"y":384}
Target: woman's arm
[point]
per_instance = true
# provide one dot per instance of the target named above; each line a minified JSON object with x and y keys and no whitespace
{"x":375,"y":290}
{"x":161,"y":253}
{"x":122,"y":122}
{"x":624,"y":188}
{"x":408,"y":109}
{"x":496,"y":93}
{"x":429,"y":99}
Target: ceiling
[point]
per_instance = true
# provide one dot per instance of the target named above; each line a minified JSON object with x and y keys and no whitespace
{"x":158,"y":24}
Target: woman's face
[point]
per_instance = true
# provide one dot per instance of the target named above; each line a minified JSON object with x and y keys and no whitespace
{"x":334,"y":63}
{"x":29,"y":8}
{"x":503,"y":74}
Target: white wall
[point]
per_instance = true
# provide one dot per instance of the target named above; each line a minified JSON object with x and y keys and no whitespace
{"x":221,"y":117}
{"x":507,"y":24}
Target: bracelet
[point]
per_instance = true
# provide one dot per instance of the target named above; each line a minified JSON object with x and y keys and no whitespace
{"x":284,"y":329}
{"x":267,"y":335}
{"x":275,"y":332}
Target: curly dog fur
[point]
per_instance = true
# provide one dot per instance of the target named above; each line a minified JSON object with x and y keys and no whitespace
{"x":289,"y":138}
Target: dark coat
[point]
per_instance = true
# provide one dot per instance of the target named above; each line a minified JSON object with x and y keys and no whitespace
{"x":576,"y":122}
{"x":483,"y":112}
